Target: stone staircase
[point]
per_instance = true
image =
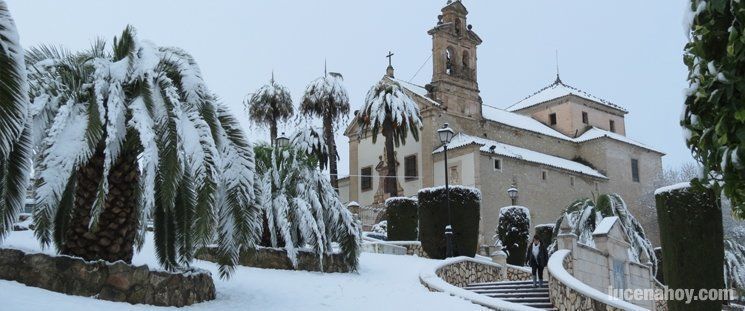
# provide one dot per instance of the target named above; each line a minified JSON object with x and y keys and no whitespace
{"x":520,"y":292}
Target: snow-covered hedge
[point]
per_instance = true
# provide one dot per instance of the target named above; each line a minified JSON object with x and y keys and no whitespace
{"x":691,"y":234}
{"x":513,"y":232}
{"x":545,"y":233}
{"x":403,"y":219}
{"x":465,"y":204}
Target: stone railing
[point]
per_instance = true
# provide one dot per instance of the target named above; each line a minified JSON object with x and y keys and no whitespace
{"x":107,"y":281}
{"x":276,"y":258}
{"x":568,"y":293}
{"x":660,"y":304}
{"x":454,"y":273}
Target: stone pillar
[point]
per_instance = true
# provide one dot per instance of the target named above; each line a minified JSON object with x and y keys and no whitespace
{"x":499,"y":257}
{"x":566,"y":238}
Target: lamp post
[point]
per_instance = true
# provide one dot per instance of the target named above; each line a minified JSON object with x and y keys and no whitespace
{"x":512,"y":192}
{"x":282,"y":141}
{"x":446,"y":135}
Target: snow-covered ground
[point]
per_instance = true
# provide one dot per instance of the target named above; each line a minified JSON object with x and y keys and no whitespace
{"x":384,"y":282}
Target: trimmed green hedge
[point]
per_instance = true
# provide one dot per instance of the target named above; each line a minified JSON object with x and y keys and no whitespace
{"x":403,"y":219}
{"x":465,"y":204}
{"x":545,"y":234}
{"x":513,"y":231}
{"x":692,"y":243}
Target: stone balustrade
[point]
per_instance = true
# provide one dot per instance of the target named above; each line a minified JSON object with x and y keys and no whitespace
{"x":107,"y":281}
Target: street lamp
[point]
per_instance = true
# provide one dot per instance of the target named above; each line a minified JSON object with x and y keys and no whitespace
{"x":446,"y":135}
{"x":282,"y":141}
{"x":512,"y":192}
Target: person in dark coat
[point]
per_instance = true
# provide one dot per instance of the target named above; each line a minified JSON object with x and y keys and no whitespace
{"x":537,"y":259}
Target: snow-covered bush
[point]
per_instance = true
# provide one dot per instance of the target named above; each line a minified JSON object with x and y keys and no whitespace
{"x":465,"y":204}
{"x":513,"y":232}
{"x":545,"y":233}
{"x":302,"y":209}
{"x":15,"y":126}
{"x":585,"y":214}
{"x":133,"y":132}
{"x":403,"y":219}
{"x":381,"y":228}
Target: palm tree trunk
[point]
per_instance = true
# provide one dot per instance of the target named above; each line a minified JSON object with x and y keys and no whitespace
{"x":273,"y":132}
{"x":113,"y":238}
{"x":391,"y":184}
{"x":328,"y":128}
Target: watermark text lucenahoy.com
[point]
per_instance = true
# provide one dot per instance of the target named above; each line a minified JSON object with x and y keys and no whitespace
{"x":668,"y":294}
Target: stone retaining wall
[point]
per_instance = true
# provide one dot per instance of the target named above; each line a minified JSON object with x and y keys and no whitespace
{"x":466,"y":272}
{"x":275,"y":258}
{"x":412,"y":247}
{"x":565,"y":298}
{"x":107,"y":281}
{"x":515,"y":273}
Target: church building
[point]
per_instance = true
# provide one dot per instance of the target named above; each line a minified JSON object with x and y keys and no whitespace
{"x":555,"y":146}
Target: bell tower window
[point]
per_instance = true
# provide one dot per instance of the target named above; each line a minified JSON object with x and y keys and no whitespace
{"x":466,"y":60}
{"x":458,"y":27}
{"x":449,"y":61}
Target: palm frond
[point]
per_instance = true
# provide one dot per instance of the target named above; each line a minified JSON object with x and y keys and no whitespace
{"x":16,"y":169}
{"x":13,"y":89}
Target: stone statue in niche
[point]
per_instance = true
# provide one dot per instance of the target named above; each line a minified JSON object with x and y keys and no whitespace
{"x":382,"y":169}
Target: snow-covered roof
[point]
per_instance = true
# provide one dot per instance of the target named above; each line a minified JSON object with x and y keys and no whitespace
{"x":506,"y":150}
{"x":415,"y":89}
{"x":556,"y":90}
{"x":595,"y":133}
{"x":520,"y":121}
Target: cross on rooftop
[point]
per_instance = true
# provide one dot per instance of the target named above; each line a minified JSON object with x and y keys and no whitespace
{"x":390,"y":56}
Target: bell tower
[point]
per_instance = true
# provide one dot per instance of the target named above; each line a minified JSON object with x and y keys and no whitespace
{"x":454,"y":77}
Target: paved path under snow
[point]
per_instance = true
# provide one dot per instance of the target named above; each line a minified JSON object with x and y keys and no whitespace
{"x":384,"y":282}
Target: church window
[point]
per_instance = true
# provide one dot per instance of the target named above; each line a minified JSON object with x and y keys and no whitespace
{"x":635,"y":170}
{"x":458,"y":26}
{"x":466,"y":59}
{"x":410,"y":168}
{"x":552,"y":118}
{"x":612,"y":125}
{"x":449,"y":61}
{"x":498,"y":165}
{"x":585,"y":118}
{"x":544,"y":175}
{"x":366,"y":178}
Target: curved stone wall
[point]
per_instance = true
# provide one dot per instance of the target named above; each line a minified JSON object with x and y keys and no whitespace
{"x":107,"y":281}
{"x":464,"y":272}
{"x":568,"y":293}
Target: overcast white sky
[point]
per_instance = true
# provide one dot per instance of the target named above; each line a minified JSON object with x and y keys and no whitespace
{"x":628,"y":52}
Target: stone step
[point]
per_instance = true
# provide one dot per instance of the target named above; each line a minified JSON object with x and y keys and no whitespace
{"x":504,"y":286}
{"x":542,"y":291}
{"x":502,"y":282}
{"x":528,"y":300}
{"x":544,"y":306}
{"x":517,"y":295}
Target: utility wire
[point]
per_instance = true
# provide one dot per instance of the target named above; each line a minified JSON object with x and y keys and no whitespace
{"x":420,"y":68}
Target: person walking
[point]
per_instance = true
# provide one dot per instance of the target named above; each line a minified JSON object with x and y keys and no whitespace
{"x":537,"y":259}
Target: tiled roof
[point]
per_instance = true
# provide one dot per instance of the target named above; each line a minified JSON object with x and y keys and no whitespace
{"x":462,"y":140}
{"x":556,"y":90}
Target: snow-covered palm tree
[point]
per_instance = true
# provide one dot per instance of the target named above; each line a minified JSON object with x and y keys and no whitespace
{"x":15,"y":129}
{"x":270,"y":105}
{"x":390,"y":111}
{"x":327,"y":99}
{"x":310,"y":140}
{"x":584,"y":215}
{"x":133,"y":134}
{"x":302,"y":207}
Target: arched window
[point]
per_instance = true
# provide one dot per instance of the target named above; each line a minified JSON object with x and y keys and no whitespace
{"x":458,"y":26}
{"x":466,"y":59}
{"x":449,"y":56}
